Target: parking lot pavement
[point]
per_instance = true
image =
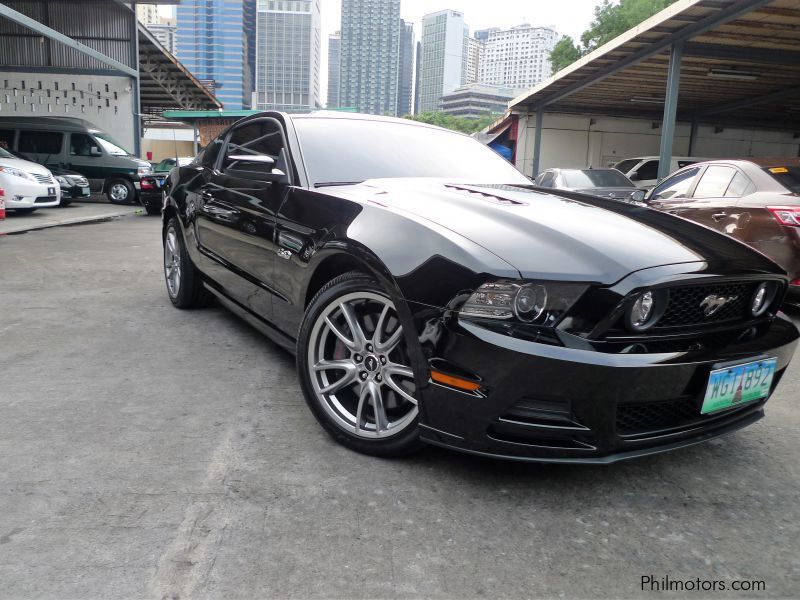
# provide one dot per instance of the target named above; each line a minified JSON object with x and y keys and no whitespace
{"x":147,"y":452}
{"x":77,"y":212}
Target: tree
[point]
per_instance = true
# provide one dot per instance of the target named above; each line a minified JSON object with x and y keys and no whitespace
{"x":611,"y":19}
{"x":464,"y":125}
{"x":564,"y":53}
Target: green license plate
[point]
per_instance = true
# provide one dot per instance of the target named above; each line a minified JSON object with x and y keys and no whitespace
{"x":739,"y":384}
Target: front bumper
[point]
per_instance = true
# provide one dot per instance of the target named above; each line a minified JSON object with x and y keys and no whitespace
{"x":24,"y":193}
{"x":545,"y":403}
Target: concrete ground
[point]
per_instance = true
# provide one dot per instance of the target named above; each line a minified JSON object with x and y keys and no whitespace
{"x":147,"y":452}
{"x":77,"y":212}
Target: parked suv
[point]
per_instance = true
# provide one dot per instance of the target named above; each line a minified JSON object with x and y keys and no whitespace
{"x":77,"y":145}
{"x":756,"y":201}
{"x":643,"y":171}
{"x":28,"y":186}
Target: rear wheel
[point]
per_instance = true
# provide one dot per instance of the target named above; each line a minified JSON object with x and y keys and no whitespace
{"x":120,"y":191}
{"x":152,"y":209}
{"x":355,"y":368}
{"x":184,"y":285}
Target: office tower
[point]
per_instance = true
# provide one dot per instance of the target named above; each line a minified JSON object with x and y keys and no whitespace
{"x":477,"y":100}
{"x":406,"y":75}
{"x":517,"y":57}
{"x":334,"y":51}
{"x":417,"y":73}
{"x":147,"y":14}
{"x":474,"y":56}
{"x":216,"y":42}
{"x":444,"y":57}
{"x":370,"y":55}
{"x":288,"y":55}
{"x":483,"y":34}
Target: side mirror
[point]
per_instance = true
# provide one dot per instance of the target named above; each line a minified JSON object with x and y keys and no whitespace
{"x":634,"y":176}
{"x":95,"y":151}
{"x":638,"y":196}
{"x":257,"y":167}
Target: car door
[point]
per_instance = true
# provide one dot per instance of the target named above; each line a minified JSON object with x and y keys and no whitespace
{"x":646,"y":175}
{"x":86,"y":156}
{"x":236,"y":211}
{"x":715,"y":197}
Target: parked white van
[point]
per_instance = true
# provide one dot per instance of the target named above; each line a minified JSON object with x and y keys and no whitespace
{"x":643,"y":171}
{"x":28,"y":185}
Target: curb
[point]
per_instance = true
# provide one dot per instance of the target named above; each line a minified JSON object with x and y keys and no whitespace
{"x":76,"y":221}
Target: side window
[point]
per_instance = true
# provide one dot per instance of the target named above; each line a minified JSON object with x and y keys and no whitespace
{"x":714,"y":182}
{"x":740,"y":186}
{"x":81,"y":144}
{"x":648,"y":170}
{"x":675,"y":187}
{"x":40,"y":142}
{"x":546,"y":179}
{"x":7,"y":139}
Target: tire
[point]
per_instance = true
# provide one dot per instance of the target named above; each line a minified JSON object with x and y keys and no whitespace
{"x":120,"y":191}
{"x":368,"y":401}
{"x":184,"y":284}
{"x":64,"y":202}
{"x":152,"y":210}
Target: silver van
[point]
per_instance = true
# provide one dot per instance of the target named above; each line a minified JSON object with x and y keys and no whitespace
{"x":77,"y":145}
{"x":643,"y":171}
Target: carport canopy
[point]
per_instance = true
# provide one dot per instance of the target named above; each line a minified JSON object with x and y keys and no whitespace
{"x":715,"y":62}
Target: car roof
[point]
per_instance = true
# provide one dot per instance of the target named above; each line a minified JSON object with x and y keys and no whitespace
{"x":346,"y":116}
{"x":49,"y":123}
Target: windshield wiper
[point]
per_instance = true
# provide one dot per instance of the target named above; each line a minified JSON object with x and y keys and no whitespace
{"x":336,"y":183}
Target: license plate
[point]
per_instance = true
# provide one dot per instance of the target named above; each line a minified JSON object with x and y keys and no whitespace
{"x":739,"y":384}
{"x":51,"y":191}
{"x":86,"y":191}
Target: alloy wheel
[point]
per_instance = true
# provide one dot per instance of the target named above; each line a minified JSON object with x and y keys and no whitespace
{"x":172,"y":262}
{"x":119,"y":192}
{"x":359,"y":366}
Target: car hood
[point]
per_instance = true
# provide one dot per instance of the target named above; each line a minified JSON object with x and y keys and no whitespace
{"x":560,"y":235}
{"x":25,"y":165}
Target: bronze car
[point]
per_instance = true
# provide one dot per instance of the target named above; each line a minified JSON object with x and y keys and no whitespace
{"x":756,"y":201}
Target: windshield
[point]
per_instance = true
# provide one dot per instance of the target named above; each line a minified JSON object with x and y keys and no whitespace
{"x":626,"y":165}
{"x":788,"y":177}
{"x":349,"y":150}
{"x":6,"y":154}
{"x":110,"y":146}
{"x":596,"y":178}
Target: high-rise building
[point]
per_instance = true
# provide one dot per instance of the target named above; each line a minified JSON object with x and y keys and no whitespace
{"x":166,"y":34}
{"x":288,"y":55}
{"x":334,"y":52}
{"x":370,"y":55}
{"x":147,"y":14}
{"x":477,"y":100}
{"x":518,"y":57}
{"x":406,"y":75}
{"x":475,"y":52}
{"x":417,"y":73}
{"x":483,"y":34}
{"x":444,"y":57}
{"x":216,"y":42}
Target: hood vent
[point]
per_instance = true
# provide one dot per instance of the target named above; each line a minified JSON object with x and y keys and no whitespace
{"x":485,"y":195}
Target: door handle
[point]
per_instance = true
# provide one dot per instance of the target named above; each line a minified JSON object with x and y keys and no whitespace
{"x":221,"y":214}
{"x":719,"y":216}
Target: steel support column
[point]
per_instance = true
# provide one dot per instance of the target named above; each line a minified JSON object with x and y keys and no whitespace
{"x":136,"y":85}
{"x":693,"y":135}
{"x":670,"y":110}
{"x":537,"y":141}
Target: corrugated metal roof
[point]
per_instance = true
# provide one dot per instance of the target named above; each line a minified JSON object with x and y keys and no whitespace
{"x":741,"y":63}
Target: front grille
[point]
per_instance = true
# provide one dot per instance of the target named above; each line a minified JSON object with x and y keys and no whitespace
{"x":45,"y":199}
{"x":685,"y":304}
{"x":79,"y":181}
{"x":43,"y":178}
{"x":655,"y":417}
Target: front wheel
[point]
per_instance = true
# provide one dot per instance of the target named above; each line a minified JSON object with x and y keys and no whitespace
{"x":184,"y":284}
{"x":120,"y":191}
{"x":355,"y":368}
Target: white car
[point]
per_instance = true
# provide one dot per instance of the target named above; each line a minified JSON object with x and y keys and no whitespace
{"x":28,"y":185}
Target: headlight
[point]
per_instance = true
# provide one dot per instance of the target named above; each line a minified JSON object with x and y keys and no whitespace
{"x":63,"y":181}
{"x":762,"y":298}
{"x":145,"y":171}
{"x":540,"y":303}
{"x":14,"y":172}
{"x":646,"y":309}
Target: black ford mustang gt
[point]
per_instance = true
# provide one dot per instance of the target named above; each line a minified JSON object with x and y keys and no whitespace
{"x":432,"y":294}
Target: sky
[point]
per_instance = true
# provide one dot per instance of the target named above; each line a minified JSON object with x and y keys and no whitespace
{"x":568,"y":17}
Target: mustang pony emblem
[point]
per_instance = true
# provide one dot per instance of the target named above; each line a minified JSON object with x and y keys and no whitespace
{"x":713,"y":303}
